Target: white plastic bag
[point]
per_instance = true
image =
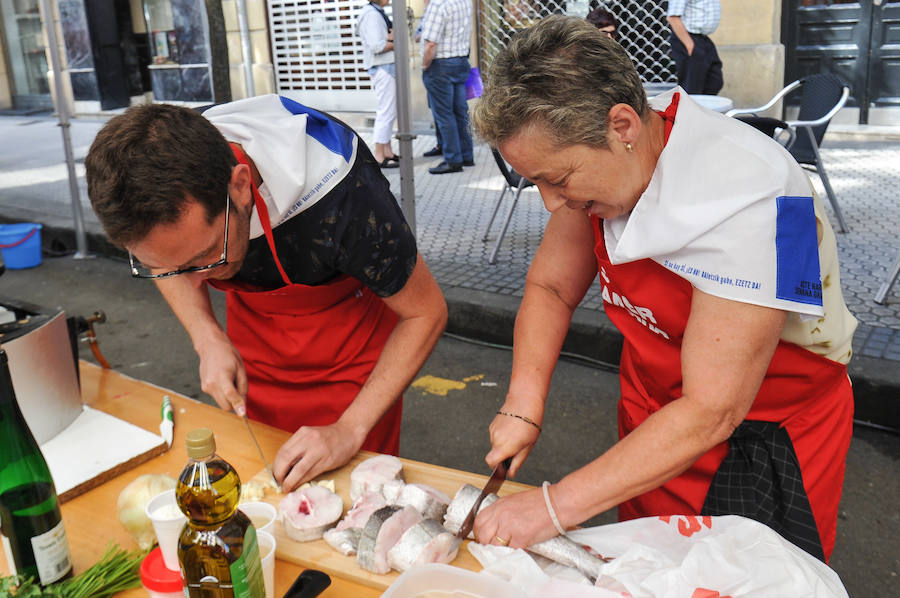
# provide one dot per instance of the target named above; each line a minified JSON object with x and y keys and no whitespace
{"x":682,"y":557}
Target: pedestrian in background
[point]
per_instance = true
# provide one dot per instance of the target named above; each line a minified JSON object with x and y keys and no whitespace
{"x":446,"y":29}
{"x":376,"y":32}
{"x":604,"y":20}
{"x":697,"y":63}
{"x":437,"y":149}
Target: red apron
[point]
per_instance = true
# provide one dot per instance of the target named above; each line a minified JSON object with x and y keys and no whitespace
{"x":807,"y":394}
{"x":308,"y":350}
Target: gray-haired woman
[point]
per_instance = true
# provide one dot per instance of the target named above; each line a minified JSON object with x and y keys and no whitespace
{"x":718,"y":265}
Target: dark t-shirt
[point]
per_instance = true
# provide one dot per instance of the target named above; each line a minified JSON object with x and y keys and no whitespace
{"x":356,"y":229}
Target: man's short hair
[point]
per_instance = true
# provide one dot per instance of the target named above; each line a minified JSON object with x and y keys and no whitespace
{"x":563,"y":74}
{"x":147,"y":163}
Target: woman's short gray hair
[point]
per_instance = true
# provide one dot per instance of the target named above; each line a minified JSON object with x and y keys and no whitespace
{"x":563,"y":74}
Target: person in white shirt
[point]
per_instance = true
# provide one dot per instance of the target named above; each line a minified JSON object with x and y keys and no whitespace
{"x":376,"y":32}
{"x":697,"y":63}
{"x":446,"y":29}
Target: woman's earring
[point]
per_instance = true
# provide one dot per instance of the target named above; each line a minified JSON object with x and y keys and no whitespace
{"x":628,"y":147}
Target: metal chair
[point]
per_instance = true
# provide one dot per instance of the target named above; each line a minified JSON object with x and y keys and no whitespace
{"x":891,"y":279}
{"x":821,"y":97}
{"x":512,"y":181}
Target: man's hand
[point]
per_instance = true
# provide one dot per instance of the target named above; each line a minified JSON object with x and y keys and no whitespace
{"x":222,"y":375}
{"x":428,"y":56}
{"x":681,"y":33}
{"x":313,"y":450}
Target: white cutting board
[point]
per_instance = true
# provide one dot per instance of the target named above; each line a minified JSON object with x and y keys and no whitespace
{"x":94,"y":448}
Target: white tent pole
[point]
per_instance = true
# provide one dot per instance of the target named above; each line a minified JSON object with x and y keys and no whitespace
{"x":246,"y":48}
{"x":62,"y":112}
{"x":404,"y":128}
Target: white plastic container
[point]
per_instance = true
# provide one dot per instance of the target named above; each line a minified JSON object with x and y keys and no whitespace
{"x":159,"y":580}
{"x":267,"y":556}
{"x":261,"y":514}
{"x":436,"y":577}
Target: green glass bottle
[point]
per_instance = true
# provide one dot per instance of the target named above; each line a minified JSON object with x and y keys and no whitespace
{"x":217,"y":550}
{"x":33,"y":534}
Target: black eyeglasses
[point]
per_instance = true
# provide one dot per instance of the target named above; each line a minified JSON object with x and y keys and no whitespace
{"x":138,"y":270}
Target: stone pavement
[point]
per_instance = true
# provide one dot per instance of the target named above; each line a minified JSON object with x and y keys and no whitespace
{"x":452,"y":211}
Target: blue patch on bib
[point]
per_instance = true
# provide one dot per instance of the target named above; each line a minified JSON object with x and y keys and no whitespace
{"x":798,"y":277}
{"x":332,"y":135}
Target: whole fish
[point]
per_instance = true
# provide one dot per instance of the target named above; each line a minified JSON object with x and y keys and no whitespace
{"x":560,"y":549}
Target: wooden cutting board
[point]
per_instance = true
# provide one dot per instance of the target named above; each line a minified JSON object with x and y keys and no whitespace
{"x":319,"y":555}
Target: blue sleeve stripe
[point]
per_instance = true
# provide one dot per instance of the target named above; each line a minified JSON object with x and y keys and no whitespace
{"x":798,"y":277}
{"x":326,"y":131}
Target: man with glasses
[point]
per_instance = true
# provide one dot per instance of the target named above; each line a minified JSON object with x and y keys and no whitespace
{"x":331,"y":310}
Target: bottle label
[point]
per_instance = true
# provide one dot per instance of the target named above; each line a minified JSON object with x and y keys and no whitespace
{"x":51,"y":554}
{"x":7,"y":548}
{"x":246,"y":571}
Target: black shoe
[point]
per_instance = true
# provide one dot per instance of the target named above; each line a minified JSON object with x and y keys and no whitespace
{"x":435,"y":151}
{"x":468,"y":162}
{"x":386,"y":163}
{"x":445,"y":167}
{"x":395,"y":158}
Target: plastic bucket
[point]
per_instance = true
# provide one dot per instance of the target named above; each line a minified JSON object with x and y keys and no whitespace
{"x":20,"y":245}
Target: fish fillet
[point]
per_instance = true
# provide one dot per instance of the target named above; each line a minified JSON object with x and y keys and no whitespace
{"x":426,"y":542}
{"x":306,"y":513}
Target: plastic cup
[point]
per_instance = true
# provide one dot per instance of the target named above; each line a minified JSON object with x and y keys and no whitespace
{"x":266,"y":543}
{"x":261,"y":514}
{"x":168,"y":521}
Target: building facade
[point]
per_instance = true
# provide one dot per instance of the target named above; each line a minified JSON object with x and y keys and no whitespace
{"x":120,"y":52}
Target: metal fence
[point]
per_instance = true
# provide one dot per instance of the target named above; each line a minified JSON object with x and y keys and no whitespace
{"x":643,"y":30}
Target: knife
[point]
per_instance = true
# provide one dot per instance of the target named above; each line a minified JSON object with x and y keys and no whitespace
{"x":261,"y":454}
{"x":492,"y":486}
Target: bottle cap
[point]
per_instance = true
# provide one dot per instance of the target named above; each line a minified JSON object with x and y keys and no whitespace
{"x":200,"y":443}
{"x":158,"y":578}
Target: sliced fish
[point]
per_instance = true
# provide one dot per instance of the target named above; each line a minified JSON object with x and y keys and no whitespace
{"x":361,"y":510}
{"x":373,"y":473}
{"x":382,"y":531}
{"x":344,"y":541}
{"x":306,"y":513}
{"x":391,"y":490}
{"x":426,"y":542}
{"x":430,"y":502}
{"x":559,"y":549}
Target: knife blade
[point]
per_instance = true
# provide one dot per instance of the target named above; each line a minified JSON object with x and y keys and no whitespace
{"x":261,"y":454}
{"x":493,"y":485}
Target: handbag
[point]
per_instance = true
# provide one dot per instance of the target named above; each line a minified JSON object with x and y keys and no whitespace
{"x":474,"y":86}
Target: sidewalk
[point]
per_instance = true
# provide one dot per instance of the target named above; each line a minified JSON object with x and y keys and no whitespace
{"x":452,"y":211}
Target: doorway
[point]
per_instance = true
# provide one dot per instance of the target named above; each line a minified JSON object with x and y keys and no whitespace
{"x":27,"y":62}
{"x":858,"y":41}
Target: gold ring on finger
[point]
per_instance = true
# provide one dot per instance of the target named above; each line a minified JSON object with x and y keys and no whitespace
{"x":501,"y":540}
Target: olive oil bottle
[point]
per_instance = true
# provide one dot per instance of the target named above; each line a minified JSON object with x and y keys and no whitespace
{"x":217,"y":550}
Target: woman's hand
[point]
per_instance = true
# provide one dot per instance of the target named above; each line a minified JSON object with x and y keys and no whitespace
{"x":518,"y":520}
{"x":313,"y":450}
{"x":222,"y":374}
{"x":511,"y":437}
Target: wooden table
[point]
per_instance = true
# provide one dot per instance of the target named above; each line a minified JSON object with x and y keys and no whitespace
{"x":91,"y":519}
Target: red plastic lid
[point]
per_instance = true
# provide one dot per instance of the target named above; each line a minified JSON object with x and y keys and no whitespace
{"x":157,"y":577}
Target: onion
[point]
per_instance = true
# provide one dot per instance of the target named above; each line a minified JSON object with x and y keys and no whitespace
{"x":132,"y":506}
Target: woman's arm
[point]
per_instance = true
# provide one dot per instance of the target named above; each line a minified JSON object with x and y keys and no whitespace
{"x":726,"y":351}
{"x":560,"y":275}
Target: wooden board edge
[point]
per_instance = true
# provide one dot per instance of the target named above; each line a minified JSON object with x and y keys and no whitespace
{"x":112,"y":472}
